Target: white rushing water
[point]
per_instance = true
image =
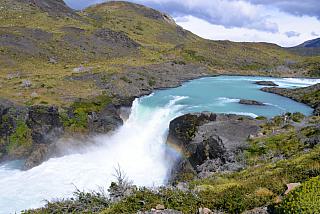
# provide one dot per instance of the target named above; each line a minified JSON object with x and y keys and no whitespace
{"x":138,"y":147}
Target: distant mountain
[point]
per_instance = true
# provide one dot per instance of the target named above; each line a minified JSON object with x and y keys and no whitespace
{"x":308,"y":48}
{"x":314,"y":43}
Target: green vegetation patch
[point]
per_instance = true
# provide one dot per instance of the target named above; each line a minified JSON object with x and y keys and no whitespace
{"x":20,"y":141}
{"x":145,"y":199}
{"x":304,"y":199}
{"x":285,"y":144}
{"x":81,"y":109}
{"x":257,"y":186}
{"x":82,"y":202}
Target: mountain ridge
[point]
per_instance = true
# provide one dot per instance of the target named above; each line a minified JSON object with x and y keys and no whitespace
{"x":308,"y":48}
{"x":313,"y":43}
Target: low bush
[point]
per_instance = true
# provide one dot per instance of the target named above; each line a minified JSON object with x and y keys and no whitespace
{"x":304,"y":199}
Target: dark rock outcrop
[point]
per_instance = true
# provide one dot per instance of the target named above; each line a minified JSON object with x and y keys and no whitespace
{"x":32,"y":133}
{"x":210,"y":142}
{"x":317,"y":109}
{"x":106,"y":120}
{"x":251,"y":102}
{"x":44,"y":121}
{"x":266,"y":83}
{"x":142,"y":80}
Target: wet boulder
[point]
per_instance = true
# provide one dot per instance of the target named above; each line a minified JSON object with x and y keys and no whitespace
{"x":266,"y":83}
{"x":209,"y":142}
{"x":251,"y":102}
{"x":44,"y":121}
{"x":106,"y":120}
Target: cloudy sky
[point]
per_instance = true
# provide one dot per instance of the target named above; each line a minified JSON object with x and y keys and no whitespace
{"x":284,"y":22}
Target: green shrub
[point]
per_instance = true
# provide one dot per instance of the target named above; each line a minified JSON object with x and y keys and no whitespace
{"x":82,"y":202}
{"x":152,"y":82}
{"x":280,"y":144}
{"x":297,"y":117}
{"x":81,"y":109}
{"x":304,"y":199}
{"x":20,"y":140}
{"x":145,"y":199}
{"x":261,"y":118}
{"x":126,"y":79}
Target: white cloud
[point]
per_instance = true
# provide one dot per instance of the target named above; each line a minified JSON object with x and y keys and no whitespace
{"x":240,"y":20}
{"x":303,"y":26}
{"x":290,"y":34}
{"x":221,"y":12}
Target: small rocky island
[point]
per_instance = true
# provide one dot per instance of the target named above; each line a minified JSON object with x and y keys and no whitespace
{"x":266,"y":83}
{"x":251,"y":102}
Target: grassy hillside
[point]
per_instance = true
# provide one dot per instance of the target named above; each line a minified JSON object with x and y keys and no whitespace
{"x":46,"y":44}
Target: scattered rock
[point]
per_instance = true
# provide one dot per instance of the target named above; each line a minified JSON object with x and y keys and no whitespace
{"x":14,"y":75}
{"x":291,"y":187}
{"x":205,"y":211}
{"x":160,"y":207}
{"x":266,"y":83}
{"x":26,"y":83}
{"x":166,"y":211}
{"x":259,"y":210}
{"x":251,"y":102}
{"x":53,"y":60}
{"x":82,"y":69}
{"x":34,"y":94}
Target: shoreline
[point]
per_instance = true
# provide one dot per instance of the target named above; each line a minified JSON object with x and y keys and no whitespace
{"x":218,"y":75}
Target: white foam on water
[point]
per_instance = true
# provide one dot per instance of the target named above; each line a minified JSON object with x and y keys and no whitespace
{"x":279,"y":107}
{"x":138,"y":147}
{"x":295,"y":82}
{"x":222,"y":101}
{"x":242,"y":113}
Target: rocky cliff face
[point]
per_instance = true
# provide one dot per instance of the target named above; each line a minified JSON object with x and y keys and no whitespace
{"x":32,"y":133}
{"x":210,"y":142}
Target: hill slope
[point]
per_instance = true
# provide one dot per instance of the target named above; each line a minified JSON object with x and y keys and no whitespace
{"x":308,"y":48}
{"x":314,"y":43}
{"x":47,"y":44}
